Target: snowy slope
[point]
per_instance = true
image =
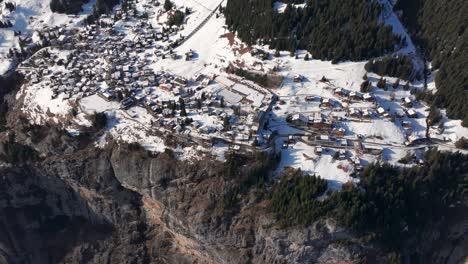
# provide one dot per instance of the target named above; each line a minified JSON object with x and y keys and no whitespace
{"x":28,"y":16}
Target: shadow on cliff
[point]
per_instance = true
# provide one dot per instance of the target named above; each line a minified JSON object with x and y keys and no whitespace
{"x":42,"y":217}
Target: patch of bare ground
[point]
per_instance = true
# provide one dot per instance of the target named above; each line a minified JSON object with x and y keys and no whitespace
{"x":237,"y":48}
{"x":168,"y":241}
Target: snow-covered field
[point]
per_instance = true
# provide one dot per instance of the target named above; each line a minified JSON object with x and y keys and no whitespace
{"x":28,"y":16}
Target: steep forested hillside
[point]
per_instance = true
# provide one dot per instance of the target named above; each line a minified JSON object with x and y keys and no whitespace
{"x":398,"y":66}
{"x":331,"y":30}
{"x":74,"y":6}
{"x":390,"y":202}
{"x":439,"y":28}
{"x":67,"y":6}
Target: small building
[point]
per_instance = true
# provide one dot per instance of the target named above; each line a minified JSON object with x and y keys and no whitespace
{"x":166,"y":87}
{"x":406,"y":101}
{"x":368,"y":97}
{"x":223,"y":80}
{"x":324,"y":139}
{"x":299,"y":119}
{"x":318,"y":150}
{"x":355,"y":96}
{"x":316,"y":121}
{"x":340,"y":92}
{"x":107,"y":95}
{"x":298,"y":78}
{"x":382,"y":112}
{"x":406,"y":124}
{"x":367,"y":114}
{"x":355,"y":112}
{"x":411,"y":113}
{"x":374,"y":150}
{"x":338,"y":132}
{"x":179,"y":81}
{"x":326,"y":103}
{"x":205,"y":82}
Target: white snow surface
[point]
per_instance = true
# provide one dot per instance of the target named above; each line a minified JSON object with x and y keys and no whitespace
{"x":29,"y":16}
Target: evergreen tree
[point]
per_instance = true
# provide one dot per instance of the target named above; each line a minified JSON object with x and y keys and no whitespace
{"x":396,"y":84}
{"x":332,"y":30}
{"x":226,"y":123}
{"x":277,"y":53}
{"x":434,"y":116}
{"x":366,"y":86}
{"x":382,"y":83}
{"x":406,"y":87}
{"x":183,"y":112}
{"x":168,"y":5}
{"x":462,"y":143}
{"x":450,"y":56}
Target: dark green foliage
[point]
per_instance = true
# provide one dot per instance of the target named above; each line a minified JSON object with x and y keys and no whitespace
{"x":105,"y":6}
{"x":101,"y":7}
{"x":396,"y":84}
{"x":400,"y":67}
{"x":434,"y":116}
{"x":439,"y":28}
{"x":462,"y":143}
{"x":332,"y":30}
{"x":177,"y":19}
{"x":391,"y":202}
{"x":277,"y":53}
{"x":465,"y":121}
{"x":183,"y":111}
{"x":452,"y":84}
{"x":424,"y":95}
{"x":366,"y":86}
{"x":382,"y":83}
{"x":406,"y":87}
{"x":67,"y":6}
{"x":168,"y":5}
{"x":395,"y":203}
{"x":236,"y":110}
{"x":261,"y":79}
{"x":169,"y":152}
{"x":294,"y":198}
{"x":406,"y":159}
{"x":246,"y":172}
{"x":99,"y":120}
{"x":226,"y":123}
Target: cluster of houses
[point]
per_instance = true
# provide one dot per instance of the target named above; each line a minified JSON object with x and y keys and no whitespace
{"x":100,"y":59}
{"x":353,"y":96}
{"x":324,"y":123}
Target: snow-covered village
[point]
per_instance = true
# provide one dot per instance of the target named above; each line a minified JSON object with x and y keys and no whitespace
{"x":194,"y":87}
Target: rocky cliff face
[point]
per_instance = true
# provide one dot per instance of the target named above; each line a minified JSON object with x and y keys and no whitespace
{"x":123,"y":206}
{"x":191,"y":194}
